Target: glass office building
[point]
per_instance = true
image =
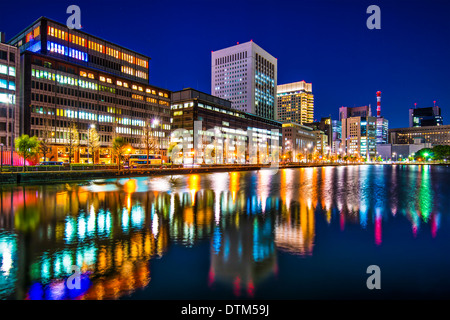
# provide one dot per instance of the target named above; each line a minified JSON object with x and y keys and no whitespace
{"x":228,"y":136}
{"x":70,"y":76}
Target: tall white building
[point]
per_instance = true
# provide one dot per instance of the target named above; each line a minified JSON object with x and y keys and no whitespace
{"x":246,"y":75}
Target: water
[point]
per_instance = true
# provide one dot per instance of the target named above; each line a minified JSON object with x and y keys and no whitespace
{"x":306,"y":233}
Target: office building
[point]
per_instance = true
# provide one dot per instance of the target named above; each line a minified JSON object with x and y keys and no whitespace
{"x":325,"y":126}
{"x":382,"y":130}
{"x":298,"y":141}
{"x":232,"y":134}
{"x":295,"y":102}
{"x":246,"y":75}
{"x":425,"y":117}
{"x":69,"y":76}
{"x":359,"y":132}
{"x":435,"y":135}
{"x":336,"y":137}
{"x":348,"y":112}
{"x":382,"y":123}
{"x":9,"y":85}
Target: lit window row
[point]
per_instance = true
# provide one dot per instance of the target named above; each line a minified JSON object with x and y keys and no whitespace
{"x":7,"y":70}
{"x":103,"y":79}
{"x":63,"y":50}
{"x":77,"y":40}
{"x":112,"y":52}
{"x":141,"y":74}
{"x":96,"y":46}
{"x":141,"y":63}
{"x":63,"y":79}
{"x":64,"y":35}
{"x":7,"y":98}
{"x":32,"y":34}
{"x":137,"y":97}
{"x":86,"y":74}
{"x":128,"y":57}
{"x":4,"y":85}
{"x":127,"y":70}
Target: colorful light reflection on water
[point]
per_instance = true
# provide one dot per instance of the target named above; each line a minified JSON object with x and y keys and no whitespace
{"x":302,"y":233}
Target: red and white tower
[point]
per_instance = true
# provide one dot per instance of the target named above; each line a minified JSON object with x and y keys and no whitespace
{"x":378,"y":104}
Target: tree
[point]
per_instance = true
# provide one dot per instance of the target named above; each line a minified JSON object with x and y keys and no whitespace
{"x":44,"y":145}
{"x":27,"y":147}
{"x":149,"y":141}
{"x":119,"y":148}
{"x":73,"y":141}
{"x":424,"y":154}
{"x":288,"y":155}
{"x":93,"y":142}
{"x":441,"y":152}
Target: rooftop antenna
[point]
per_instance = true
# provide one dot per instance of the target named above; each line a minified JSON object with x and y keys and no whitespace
{"x":415,"y":105}
{"x":434,"y":103}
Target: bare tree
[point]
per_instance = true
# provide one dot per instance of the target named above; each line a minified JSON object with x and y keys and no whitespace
{"x":93,"y":142}
{"x":73,"y":141}
{"x":45,"y":145}
{"x":148,"y":141}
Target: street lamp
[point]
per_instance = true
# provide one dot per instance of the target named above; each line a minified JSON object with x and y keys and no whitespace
{"x":393,"y":155}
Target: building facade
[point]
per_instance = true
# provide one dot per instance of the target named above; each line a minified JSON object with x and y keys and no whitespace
{"x":337,"y":136}
{"x":359,"y":137}
{"x":298,"y":141}
{"x":382,"y":130}
{"x":325,"y":126}
{"x":435,"y":135}
{"x":71,"y":77}
{"x":295,"y":102}
{"x":246,"y":75}
{"x":9,"y":86}
{"x":425,"y":117}
{"x":221,"y":134}
{"x":348,"y":112}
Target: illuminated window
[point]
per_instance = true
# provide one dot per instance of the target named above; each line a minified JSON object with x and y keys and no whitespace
{"x":91,"y":75}
{"x":36,"y":31}
{"x":125,"y":85}
{"x":102,"y":78}
{"x":119,"y":83}
{"x":83,"y":74}
{"x":109,"y":80}
{"x":141,"y":89}
{"x":134,"y":87}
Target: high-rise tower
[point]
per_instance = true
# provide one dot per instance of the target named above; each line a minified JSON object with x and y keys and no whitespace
{"x":246,"y":75}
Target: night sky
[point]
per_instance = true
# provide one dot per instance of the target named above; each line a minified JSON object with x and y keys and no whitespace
{"x":320,"y":41}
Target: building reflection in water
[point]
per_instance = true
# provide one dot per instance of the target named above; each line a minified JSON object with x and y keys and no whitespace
{"x":112,"y":229}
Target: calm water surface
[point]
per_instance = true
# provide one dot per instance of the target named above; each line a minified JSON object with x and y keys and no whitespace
{"x":306,"y":233}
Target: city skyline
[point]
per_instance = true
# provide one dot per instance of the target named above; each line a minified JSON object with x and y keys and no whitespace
{"x":344,"y":58}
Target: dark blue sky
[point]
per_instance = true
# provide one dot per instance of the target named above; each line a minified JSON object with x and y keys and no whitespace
{"x":325,"y":42}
